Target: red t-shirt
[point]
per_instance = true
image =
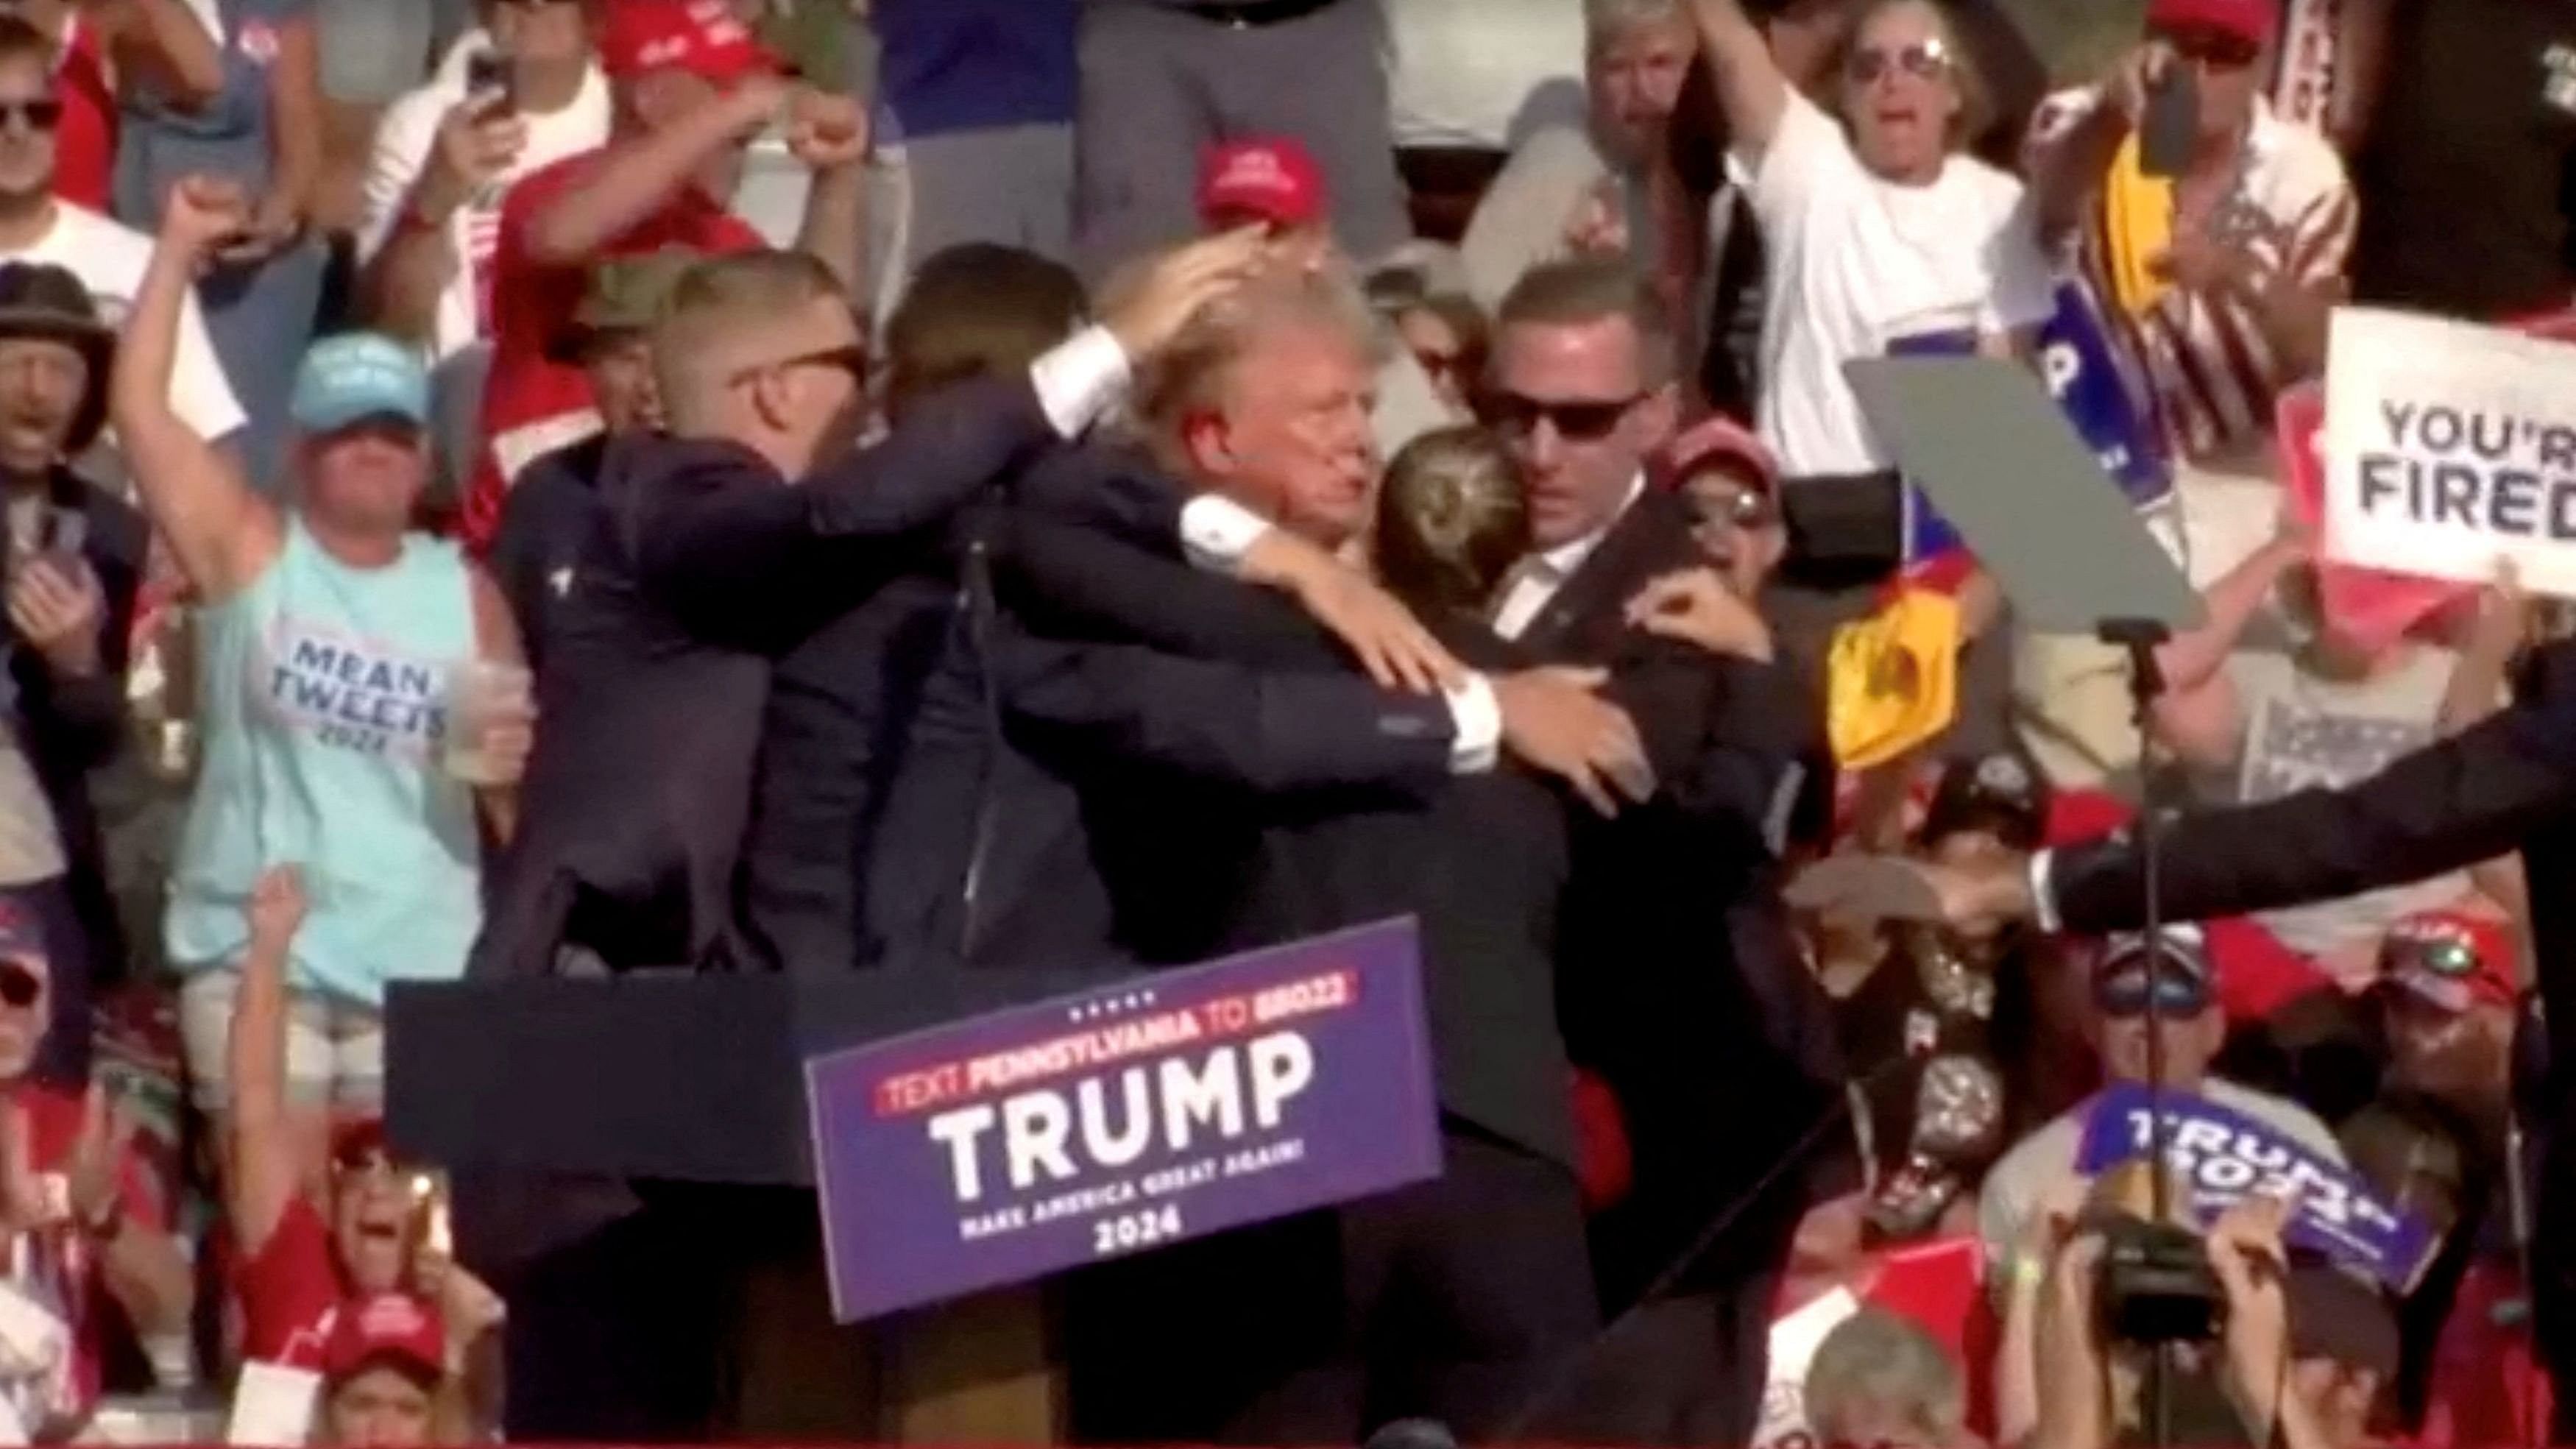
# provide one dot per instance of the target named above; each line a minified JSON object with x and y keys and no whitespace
{"x":2489,"y":1385}
{"x":289,"y":1289}
{"x":85,"y":138}
{"x":532,"y":404}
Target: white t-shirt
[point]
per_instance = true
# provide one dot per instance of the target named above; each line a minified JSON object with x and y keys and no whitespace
{"x":404,"y":140}
{"x":1858,"y":264}
{"x":110,"y":259}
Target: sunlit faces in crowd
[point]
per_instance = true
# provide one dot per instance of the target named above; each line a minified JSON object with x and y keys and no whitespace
{"x":2449,"y":983}
{"x":2226,"y":71}
{"x":43,"y":384}
{"x":1635,"y":58}
{"x":1290,"y":433}
{"x":1905,"y":90}
{"x":26,"y":1004}
{"x":1581,"y":392}
{"x":539,"y":32}
{"x":2177,"y":1001}
{"x":29,"y":113}
{"x":380,"y":1210}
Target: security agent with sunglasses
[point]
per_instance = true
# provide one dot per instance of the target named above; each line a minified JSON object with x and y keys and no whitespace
{"x":1583,"y":391}
{"x":2137,"y":990}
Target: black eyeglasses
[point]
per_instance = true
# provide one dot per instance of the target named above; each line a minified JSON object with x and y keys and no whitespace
{"x":1924,"y":60}
{"x":42,"y":114}
{"x":851,"y":358}
{"x":1579,"y":420}
{"x":19,"y":987}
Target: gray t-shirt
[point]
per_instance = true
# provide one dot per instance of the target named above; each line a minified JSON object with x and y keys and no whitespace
{"x":2305,"y":732}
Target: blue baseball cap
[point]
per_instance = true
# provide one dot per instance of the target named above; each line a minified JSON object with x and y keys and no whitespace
{"x":359,"y":375}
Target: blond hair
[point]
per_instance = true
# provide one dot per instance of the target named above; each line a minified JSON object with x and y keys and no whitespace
{"x":1191,"y":372}
{"x":1451,"y":520}
{"x":1976,"y":103}
{"x":1594,"y":289}
{"x":715,"y":307}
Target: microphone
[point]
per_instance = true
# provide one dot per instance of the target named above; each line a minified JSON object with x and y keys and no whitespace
{"x":1412,"y":1434}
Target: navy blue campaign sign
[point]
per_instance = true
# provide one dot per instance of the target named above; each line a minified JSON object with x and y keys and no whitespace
{"x":1015,"y":1144}
{"x":2225,"y":1156}
{"x":2076,"y":361}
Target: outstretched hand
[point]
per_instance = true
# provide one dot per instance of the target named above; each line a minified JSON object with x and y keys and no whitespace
{"x":1867,"y":889}
{"x":1150,"y":311}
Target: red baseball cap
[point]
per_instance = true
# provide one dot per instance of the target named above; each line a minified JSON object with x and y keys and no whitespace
{"x":2251,"y":21}
{"x":396,"y":1329}
{"x":2450,"y":960}
{"x":1718,"y":439}
{"x":1274,"y":178}
{"x":703,"y":37}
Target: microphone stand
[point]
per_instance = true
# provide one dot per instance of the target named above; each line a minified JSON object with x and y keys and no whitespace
{"x":2139,"y":639}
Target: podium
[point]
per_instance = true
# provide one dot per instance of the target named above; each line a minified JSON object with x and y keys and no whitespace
{"x":659,"y":1118}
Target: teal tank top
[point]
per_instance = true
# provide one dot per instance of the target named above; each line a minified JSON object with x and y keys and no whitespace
{"x":321,"y":701}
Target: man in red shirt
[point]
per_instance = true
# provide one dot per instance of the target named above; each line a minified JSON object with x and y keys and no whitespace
{"x":691,"y":87}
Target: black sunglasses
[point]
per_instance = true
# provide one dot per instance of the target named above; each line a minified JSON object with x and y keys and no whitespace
{"x":19,"y":987}
{"x":1923,"y":60}
{"x":2176,"y":994}
{"x":42,"y":114}
{"x":1581,"y":421}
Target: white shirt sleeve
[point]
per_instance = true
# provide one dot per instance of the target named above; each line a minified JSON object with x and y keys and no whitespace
{"x":1809,"y":159}
{"x":1081,"y":378}
{"x":395,"y":162}
{"x":2023,"y":290}
{"x":200,"y":394}
{"x":1216,"y":532}
{"x":1478,"y":716}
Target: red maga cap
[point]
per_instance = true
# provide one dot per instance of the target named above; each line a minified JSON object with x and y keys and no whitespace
{"x":1274,"y":178}
{"x":703,"y":37}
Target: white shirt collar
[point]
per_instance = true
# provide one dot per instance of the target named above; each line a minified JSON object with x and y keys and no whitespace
{"x":1562,"y":560}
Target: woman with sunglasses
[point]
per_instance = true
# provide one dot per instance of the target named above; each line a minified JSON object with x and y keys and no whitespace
{"x":1882,"y":234}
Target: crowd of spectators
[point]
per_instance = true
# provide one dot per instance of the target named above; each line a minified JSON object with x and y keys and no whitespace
{"x":1197,"y":410}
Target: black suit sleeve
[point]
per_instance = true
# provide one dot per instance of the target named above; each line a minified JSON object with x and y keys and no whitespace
{"x":1730,"y":739}
{"x":1266,"y":731}
{"x":724,"y":555}
{"x":2464,"y":800}
{"x":1077,"y":580}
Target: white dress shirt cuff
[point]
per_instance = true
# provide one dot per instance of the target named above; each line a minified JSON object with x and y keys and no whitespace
{"x":1217,"y":532}
{"x":1080,"y":378}
{"x":2043,"y":896}
{"x":1479,"y":720}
